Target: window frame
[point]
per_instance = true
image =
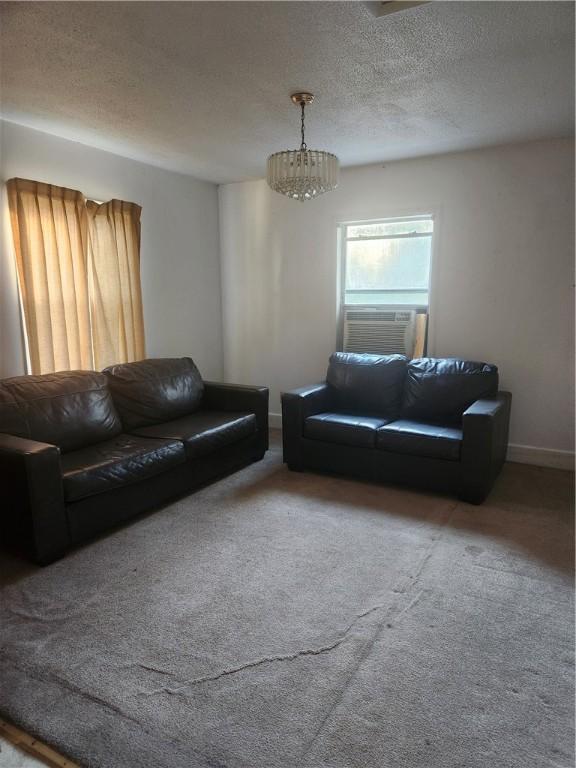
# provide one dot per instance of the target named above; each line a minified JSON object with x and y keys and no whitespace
{"x":342,"y":243}
{"x":341,"y":228}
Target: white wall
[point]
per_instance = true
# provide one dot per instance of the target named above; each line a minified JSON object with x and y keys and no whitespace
{"x":502,"y":282}
{"x":179,"y":253}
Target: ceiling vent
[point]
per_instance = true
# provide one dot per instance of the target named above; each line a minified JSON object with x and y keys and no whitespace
{"x":384,"y":7}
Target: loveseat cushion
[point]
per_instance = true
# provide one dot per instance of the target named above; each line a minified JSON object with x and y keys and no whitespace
{"x":343,"y":428}
{"x":442,"y":389}
{"x":153,"y":391}
{"x":420,"y":439}
{"x":205,"y":431}
{"x":114,"y":463}
{"x":366,"y":383}
{"x":70,"y":409}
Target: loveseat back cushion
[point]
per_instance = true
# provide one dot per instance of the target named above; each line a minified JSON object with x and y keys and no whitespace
{"x":369,"y":384}
{"x":70,"y":409}
{"x":442,"y":389}
{"x":152,"y":391}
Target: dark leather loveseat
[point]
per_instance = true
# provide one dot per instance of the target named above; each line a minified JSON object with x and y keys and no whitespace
{"x":81,"y":451}
{"x":433,"y":423}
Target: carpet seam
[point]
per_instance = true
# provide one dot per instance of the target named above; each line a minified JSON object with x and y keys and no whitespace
{"x":378,"y":630}
{"x":265,"y":659}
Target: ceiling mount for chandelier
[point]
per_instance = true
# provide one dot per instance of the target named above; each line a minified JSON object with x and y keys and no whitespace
{"x":302,"y":174}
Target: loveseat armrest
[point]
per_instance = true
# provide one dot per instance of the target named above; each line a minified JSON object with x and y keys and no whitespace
{"x":238,"y":397}
{"x":484,"y":444}
{"x":297,"y":405}
{"x":34,"y":495}
{"x":306,"y":401}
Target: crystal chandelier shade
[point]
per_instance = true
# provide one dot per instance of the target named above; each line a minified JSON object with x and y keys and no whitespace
{"x":302,"y":174}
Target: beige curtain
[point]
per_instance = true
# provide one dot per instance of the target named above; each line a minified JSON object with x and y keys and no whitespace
{"x":78,"y":268}
{"x":50,"y":228}
{"x":114,"y":280}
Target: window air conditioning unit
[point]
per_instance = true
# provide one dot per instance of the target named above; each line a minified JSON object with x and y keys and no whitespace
{"x":379,"y":331}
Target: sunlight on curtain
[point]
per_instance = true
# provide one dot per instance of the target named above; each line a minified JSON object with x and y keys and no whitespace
{"x":50,"y":229}
{"x":114,"y":279}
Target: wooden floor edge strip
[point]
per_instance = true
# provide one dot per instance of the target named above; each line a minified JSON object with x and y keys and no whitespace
{"x":32,"y":746}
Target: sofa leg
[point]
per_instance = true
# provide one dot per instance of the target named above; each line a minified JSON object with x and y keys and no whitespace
{"x":472,"y":498}
{"x":294,"y":467}
{"x":47,"y":558}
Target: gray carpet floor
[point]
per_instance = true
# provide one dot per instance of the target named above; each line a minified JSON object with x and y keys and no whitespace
{"x":293,"y":620}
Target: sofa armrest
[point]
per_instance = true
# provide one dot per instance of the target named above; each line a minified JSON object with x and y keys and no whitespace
{"x":34,"y":495}
{"x":484,"y":444}
{"x":297,"y":405}
{"x":238,"y":397}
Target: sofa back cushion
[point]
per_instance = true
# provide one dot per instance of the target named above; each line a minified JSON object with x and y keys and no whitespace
{"x":367,"y":383}
{"x":70,"y":409}
{"x":152,"y":391}
{"x":442,"y":389}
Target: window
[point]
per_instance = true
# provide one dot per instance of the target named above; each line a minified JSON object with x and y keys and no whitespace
{"x":387,"y":262}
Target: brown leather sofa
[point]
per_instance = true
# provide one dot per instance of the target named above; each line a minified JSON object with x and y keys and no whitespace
{"x":82,"y":451}
{"x":432,"y":423}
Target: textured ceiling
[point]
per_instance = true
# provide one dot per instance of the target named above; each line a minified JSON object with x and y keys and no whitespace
{"x":202,"y":88}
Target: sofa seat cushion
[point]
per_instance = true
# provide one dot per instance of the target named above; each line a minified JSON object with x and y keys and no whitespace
{"x":205,"y":431}
{"x":114,"y":463}
{"x":420,"y":439}
{"x":344,"y":428}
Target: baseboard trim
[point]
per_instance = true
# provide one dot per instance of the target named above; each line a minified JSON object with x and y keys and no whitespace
{"x":522,"y":454}
{"x":541,"y":457}
{"x":29,"y":745}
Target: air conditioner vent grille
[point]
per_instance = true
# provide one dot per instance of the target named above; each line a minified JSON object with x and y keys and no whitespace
{"x":379,"y":331}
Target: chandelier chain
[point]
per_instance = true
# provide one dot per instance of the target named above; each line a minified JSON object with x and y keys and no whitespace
{"x":303,"y":146}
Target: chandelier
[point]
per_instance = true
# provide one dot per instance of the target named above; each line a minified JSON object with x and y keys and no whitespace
{"x":302,"y":174}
